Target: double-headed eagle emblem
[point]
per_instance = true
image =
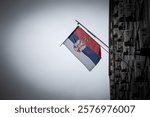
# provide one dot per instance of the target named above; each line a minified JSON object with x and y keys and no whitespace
{"x":80,"y":45}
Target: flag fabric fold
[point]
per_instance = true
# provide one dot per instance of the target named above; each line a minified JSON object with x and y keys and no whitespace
{"x":84,"y":47}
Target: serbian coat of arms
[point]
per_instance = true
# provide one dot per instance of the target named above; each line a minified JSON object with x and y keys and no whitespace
{"x":80,"y":45}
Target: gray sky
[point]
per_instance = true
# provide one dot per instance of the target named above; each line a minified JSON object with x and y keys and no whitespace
{"x":31,"y":36}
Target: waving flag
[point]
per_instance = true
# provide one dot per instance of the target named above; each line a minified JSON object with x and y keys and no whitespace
{"x":85,"y":48}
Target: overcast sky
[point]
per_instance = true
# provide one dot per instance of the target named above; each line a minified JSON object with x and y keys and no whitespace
{"x":38,"y":68}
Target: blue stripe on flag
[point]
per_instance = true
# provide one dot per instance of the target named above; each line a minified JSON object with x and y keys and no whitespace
{"x":92,"y":55}
{"x":73,"y":38}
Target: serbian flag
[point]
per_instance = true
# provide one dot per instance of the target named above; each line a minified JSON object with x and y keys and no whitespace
{"x":85,"y":48}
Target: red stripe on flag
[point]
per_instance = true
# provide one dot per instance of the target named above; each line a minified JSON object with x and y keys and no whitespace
{"x":91,"y":43}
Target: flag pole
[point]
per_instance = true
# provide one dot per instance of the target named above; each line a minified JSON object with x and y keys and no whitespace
{"x":62,"y":43}
{"x":78,"y":23}
{"x":92,"y":34}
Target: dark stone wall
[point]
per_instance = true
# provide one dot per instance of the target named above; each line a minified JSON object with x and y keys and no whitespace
{"x":129,"y":39}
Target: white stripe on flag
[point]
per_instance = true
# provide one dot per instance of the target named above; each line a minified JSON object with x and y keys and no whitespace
{"x":80,"y":55}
